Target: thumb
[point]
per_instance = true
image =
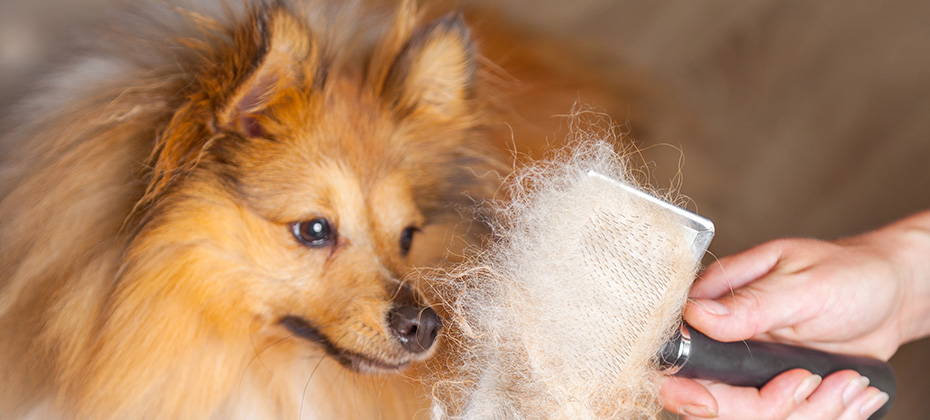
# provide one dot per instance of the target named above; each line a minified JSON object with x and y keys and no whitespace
{"x":752,"y":310}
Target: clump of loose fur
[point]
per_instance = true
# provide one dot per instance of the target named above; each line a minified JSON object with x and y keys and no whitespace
{"x":561,"y":316}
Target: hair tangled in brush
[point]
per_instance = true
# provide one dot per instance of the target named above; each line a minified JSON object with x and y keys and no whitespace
{"x":561,"y":315}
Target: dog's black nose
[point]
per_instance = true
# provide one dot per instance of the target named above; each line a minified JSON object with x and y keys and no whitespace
{"x":415,"y":328}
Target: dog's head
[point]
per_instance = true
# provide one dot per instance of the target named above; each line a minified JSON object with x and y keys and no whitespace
{"x":288,"y":189}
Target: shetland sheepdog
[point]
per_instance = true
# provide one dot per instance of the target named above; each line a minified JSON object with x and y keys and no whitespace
{"x":212,"y":214}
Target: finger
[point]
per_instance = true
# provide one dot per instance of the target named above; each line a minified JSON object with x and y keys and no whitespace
{"x":735,"y":271}
{"x":758,"y":308}
{"x":776,"y":400}
{"x":865,"y":404}
{"x":832,"y":397}
{"x":687,"y":397}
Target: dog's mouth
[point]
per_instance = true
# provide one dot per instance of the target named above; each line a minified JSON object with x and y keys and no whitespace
{"x":350,"y":359}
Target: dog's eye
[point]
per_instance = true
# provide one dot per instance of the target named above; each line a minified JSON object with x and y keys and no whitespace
{"x":317,"y":232}
{"x":406,"y":239}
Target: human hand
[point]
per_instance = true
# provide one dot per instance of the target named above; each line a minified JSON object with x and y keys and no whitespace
{"x":796,"y":394}
{"x":855,"y":296}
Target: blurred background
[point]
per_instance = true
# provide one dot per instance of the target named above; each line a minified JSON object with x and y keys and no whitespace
{"x":777,"y":118}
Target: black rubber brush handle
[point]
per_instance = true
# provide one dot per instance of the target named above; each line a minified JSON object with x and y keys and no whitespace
{"x":755,"y":363}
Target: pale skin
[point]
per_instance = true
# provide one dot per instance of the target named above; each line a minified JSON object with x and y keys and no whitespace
{"x":864,"y":295}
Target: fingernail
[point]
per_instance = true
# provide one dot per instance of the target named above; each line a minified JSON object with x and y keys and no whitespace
{"x":873,"y":404}
{"x":697,"y":411}
{"x":807,"y":388}
{"x":711,"y":306}
{"x":854,"y":388}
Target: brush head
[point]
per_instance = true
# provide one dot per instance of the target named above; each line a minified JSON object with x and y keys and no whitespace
{"x":563,"y":314}
{"x":698,"y":231}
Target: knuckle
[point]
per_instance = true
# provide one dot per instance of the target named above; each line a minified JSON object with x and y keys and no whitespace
{"x":750,"y":302}
{"x":783,"y":245}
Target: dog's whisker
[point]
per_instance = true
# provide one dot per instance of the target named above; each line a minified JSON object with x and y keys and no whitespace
{"x":303,"y":395}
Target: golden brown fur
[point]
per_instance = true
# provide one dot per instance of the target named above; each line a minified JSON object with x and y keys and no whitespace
{"x":147,"y":256}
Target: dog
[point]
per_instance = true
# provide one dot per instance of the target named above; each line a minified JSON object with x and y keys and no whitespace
{"x":213,"y":216}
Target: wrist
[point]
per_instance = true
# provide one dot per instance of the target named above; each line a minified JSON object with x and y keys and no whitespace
{"x":911,"y":257}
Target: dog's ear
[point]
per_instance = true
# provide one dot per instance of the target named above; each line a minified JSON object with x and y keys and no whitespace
{"x":435,"y":71}
{"x":285,"y":61}
{"x":244,"y":76}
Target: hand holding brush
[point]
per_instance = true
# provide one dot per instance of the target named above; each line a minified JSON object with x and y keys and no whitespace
{"x":864,"y":295}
